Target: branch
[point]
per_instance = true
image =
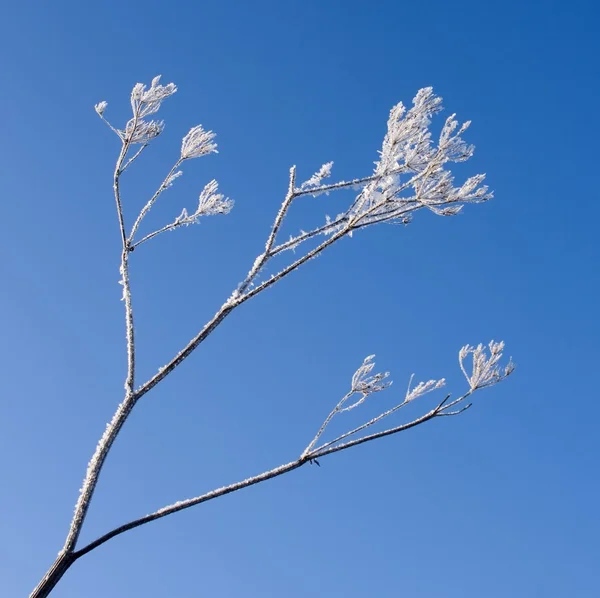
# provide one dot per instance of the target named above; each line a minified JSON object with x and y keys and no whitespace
{"x":235,"y":301}
{"x":324,"y":425}
{"x":164,"y":185}
{"x":262,"y":259}
{"x":309,"y":256}
{"x":361,"y":427}
{"x":185,"y":504}
{"x":117,"y":192}
{"x":97,"y":461}
{"x":164,"y":229}
{"x":364,"y":383}
{"x":322,"y":230}
{"x":133,"y":158}
{"x":347,"y":184}
{"x":407,"y":149}
{"x":263,"y":477}
{"x":341,"y":447}
{"x":237,"y":298}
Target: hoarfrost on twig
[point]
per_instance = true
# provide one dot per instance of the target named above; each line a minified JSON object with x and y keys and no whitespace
{"x":486,"y":370}
{"x":316,"y":179}
{"x":364,"y":384}
{"x":197,"y":143}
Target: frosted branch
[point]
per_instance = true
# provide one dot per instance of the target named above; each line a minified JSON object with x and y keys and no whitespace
{"x":364,"y":384}
{"x":411,"y":174}
{"x":362,"y":380}
{"x":316,"y":179}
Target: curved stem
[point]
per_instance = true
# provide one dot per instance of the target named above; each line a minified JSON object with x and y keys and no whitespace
{"x":306,"y":457}
{"x":186,"y":504}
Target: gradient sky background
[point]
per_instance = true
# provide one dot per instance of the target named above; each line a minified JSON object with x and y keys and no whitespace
{"x":502,"y":502}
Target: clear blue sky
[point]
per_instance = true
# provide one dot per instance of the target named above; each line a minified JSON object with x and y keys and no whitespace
{"x":502,"y":502}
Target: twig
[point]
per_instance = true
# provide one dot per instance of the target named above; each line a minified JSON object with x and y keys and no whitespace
{"x":164,"y":185}
{"x":111,"y":432}
{"x":275,"y":472}
{"x":133,"y":158}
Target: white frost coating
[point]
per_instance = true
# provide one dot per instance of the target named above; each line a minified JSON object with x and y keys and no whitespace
{"x":172,"y":177}
{"x":316,"y":179}
{"x":422,"y":388}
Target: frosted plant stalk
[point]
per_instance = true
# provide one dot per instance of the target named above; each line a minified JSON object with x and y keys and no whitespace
{"x":411,"y":174}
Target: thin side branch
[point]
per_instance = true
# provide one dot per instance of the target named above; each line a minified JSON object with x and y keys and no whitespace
{"x":324,"y":425}
{"x":275,"y":472}
{"x":186,"y":504}
{"x":342,"y":447}
{"x":164,"y":229}
{"x":133,"y":158}
{"x":163,"y":186}
{"x":262,"y":259}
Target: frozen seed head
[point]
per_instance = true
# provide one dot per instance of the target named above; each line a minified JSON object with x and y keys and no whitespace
{"x":148,"y":101}
{"x":365,"y":383}
{"x":197,"y":143}
{"x":486,"y":369}
{"x":100,"y":108}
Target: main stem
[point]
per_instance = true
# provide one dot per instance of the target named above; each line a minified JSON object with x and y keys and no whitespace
{"x":53,"y":576}
{"x":67,"y":555}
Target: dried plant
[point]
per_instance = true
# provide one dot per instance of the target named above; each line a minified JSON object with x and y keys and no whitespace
{"x":411,"y":174}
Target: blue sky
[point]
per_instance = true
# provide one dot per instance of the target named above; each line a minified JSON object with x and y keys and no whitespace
{"x":500,"y":502}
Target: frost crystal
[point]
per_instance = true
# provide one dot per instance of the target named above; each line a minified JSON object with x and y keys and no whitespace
{"x":486,"y":370}
{"x":197,"y":143}
{"x":316,"y":179}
